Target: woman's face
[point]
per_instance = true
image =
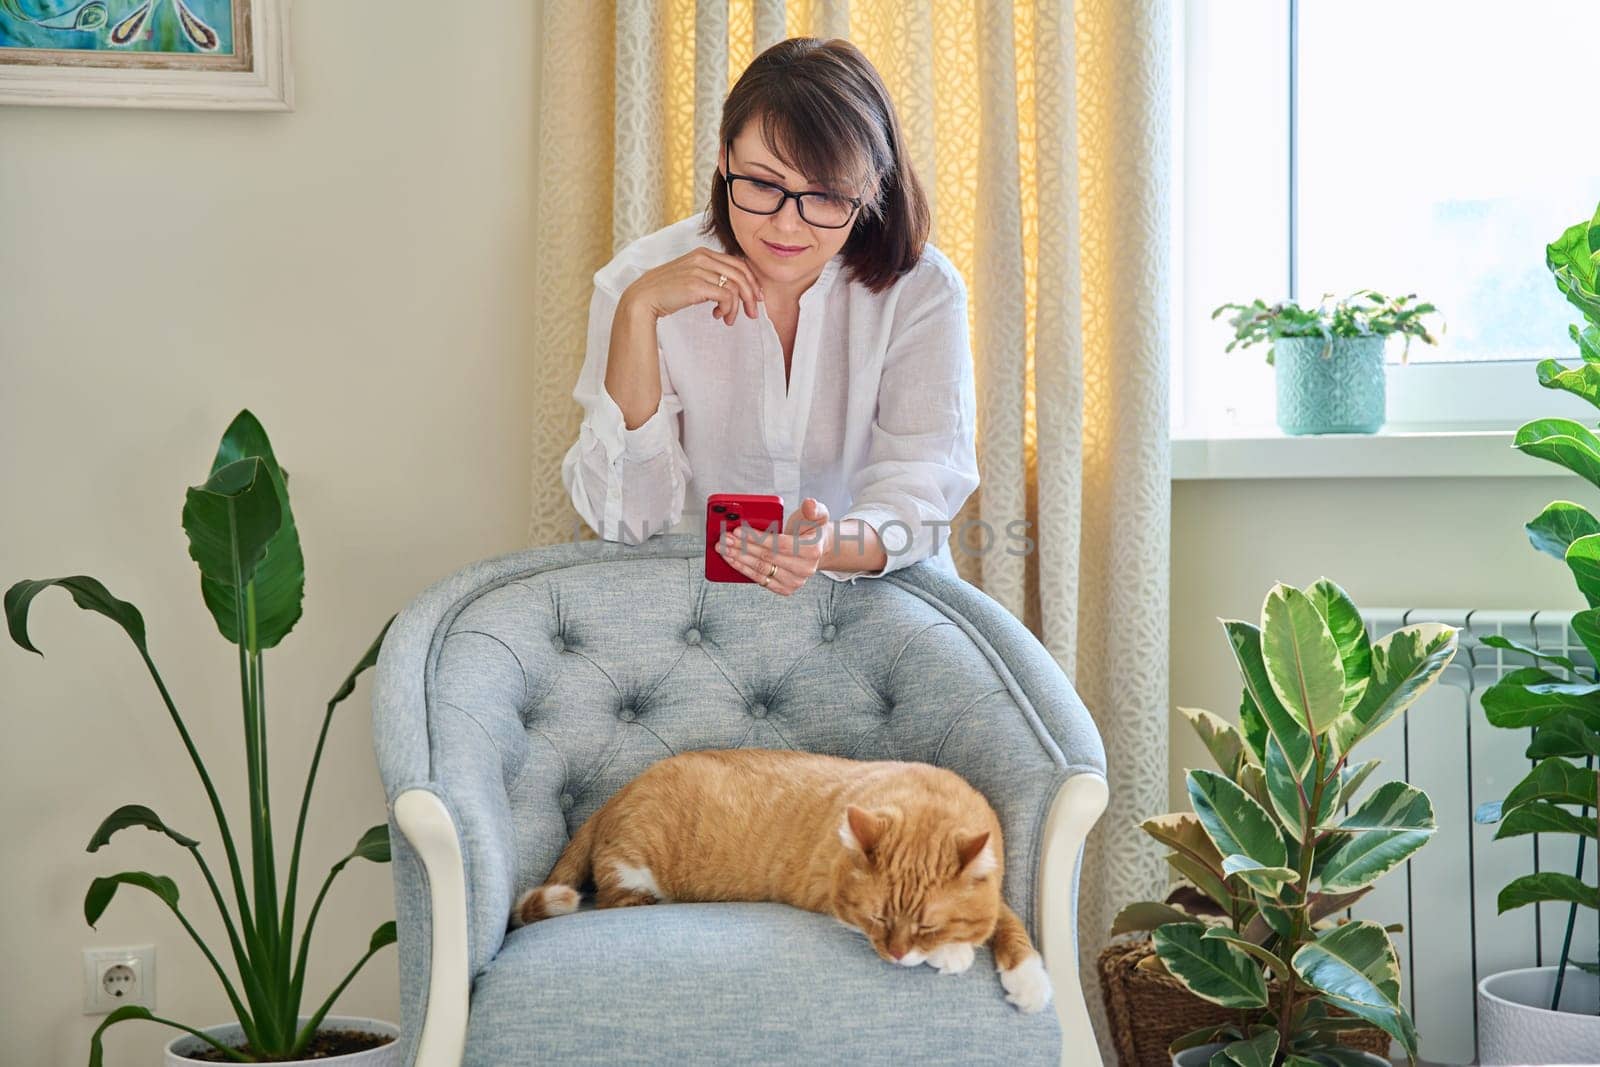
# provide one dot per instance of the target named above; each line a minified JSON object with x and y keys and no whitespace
{"x":758,"y":234}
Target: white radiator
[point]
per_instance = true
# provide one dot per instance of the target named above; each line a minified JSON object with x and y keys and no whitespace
{"x":1445,"y":895}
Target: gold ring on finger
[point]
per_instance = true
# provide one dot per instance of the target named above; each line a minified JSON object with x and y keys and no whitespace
{"x":765,"y":580}
{"x":773,"y":571}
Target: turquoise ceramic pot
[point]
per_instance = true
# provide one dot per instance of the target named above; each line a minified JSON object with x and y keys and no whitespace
{"x":1341,"y":392}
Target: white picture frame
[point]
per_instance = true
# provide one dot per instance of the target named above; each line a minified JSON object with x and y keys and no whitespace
{"x":261,"y":78}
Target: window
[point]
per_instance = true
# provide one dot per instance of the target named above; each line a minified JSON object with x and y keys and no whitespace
{"x":1432,"y":146}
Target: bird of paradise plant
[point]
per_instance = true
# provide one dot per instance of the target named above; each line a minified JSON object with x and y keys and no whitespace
{"x":242,"y":535}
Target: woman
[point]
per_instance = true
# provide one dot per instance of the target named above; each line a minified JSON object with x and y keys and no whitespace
{"x":831,"y":366}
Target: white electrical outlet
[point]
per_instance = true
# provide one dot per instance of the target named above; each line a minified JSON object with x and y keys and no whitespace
{"x":113,"y":977}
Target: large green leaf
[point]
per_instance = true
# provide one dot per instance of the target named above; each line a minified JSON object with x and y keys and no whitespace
{"x":1560,"y":524}
{"x":279,"y":570}
{"x":1245,"y":640}
{"x":1571,"y":259}
{"x":1564,"y":442}
{"x":1302,"y":658}
{"x":135,"y":815}
{"x":1546,"y":886}
{"x":1582,"y":380}
{"x":1542,"y":817}
{"x":1350,"y":633}
{"x":1586,"y":624}
{"x":101,"y":890}
{"x":86,"y":592}
{"x":1588,"y":341}
{"x":1554,"y":780}
{"x":1392,"y":806}
{"x":1210,"y":969}
{"x":280,"y":578}
{"x":1355,"y":965}
{"x":1366,"y":857}
{"x":1234,"y":822}
{"x":1404,"y":663}
{"x":1531,"y":696}
{"x":230,"y":520}
{"x":1583,"y":560}
{"x":1564,"y":735}
{"x":1497,"y":641}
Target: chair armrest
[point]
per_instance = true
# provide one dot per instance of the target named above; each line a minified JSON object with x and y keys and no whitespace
{"x":445,"y":775}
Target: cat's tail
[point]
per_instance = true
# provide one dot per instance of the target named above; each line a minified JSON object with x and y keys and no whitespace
{"x":559,"y":895}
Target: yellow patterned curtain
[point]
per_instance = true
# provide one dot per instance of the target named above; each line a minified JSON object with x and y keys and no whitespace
{"x":1042,"y":132}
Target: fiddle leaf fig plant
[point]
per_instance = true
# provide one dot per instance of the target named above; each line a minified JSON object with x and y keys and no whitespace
{"x":1364,"y":313}
{"x":1561,"y":702}
{"x":1266,"y":857}
{"x":243,"y":538}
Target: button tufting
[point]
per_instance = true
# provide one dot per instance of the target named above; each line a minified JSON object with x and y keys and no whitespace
{"x":759,"y":711}
{"x":558,"y":643}
{"x":692,"y":635}
{"x":829,"y":632}
{"x":627,"y":715}
{"x":566,"y":801}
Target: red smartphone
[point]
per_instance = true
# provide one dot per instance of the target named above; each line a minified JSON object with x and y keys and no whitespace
{"x":729,"y":511}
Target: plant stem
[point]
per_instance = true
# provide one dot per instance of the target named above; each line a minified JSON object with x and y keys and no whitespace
{"x":1302,"y":912}
{"x":299,"y":834}
{"x":1572,"y":909}
{"x":310,"y":1028}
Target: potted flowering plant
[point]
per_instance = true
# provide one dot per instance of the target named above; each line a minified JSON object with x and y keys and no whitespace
{"x":243,"y":538}
{"x":1330,"y":378}
{"x":1267,"y":854}
{"x":1552,"y":1014}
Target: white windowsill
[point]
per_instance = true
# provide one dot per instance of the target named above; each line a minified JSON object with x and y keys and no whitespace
{"x":1386,"y":454}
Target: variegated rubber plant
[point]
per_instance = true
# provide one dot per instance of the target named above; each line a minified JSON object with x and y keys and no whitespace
{"x":1277,"y":842}
{"x":243,"y":538}
{"x":1562,"y":708}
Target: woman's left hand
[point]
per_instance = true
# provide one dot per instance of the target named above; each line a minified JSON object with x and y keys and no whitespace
{"x":781,"y":562}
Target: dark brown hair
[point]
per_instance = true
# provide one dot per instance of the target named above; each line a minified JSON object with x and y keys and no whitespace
{"x":824,"y":111}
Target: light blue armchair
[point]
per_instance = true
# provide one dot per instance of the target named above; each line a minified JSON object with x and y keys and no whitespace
{"x":513,"y":697}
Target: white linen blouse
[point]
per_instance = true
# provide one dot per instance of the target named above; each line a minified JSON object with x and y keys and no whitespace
{"x":876,"y":420}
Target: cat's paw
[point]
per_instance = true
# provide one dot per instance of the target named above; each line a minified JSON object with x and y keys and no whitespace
{"x":1026,"y":984}
{"x":952,"y":958}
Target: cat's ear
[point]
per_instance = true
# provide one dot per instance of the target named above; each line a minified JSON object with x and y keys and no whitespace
{"x":974,"y":856}
{"x":860,"y":830}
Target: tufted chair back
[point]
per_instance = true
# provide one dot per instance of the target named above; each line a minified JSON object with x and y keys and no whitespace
{"x":562,"y":673}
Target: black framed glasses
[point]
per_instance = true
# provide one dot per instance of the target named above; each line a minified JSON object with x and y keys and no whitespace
{"x":830,"y":211}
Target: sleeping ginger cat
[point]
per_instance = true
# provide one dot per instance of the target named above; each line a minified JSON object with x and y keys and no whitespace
{"x":906,"y":853}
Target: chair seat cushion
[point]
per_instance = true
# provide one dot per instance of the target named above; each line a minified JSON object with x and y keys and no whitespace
{"x":735,"y":983}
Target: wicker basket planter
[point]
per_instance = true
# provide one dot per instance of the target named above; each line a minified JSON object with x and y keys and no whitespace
{"x":1148,"y":1010}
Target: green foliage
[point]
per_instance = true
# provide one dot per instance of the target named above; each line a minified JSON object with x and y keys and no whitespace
{"x":1269,"y":860}
{"x":1559,"y":794}
{"x":242,"y":536}
{"x":1364,"y":313}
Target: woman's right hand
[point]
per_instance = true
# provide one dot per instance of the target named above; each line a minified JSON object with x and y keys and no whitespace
{"x":692,"y":279}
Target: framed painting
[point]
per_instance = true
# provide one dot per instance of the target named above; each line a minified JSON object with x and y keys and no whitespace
{"x":227,"y":54}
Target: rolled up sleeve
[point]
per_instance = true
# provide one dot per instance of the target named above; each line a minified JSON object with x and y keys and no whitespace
{"x":627,"y":484}
{"x":922,"y":462}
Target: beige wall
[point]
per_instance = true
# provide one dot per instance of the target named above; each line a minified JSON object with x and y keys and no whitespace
{"x":360,"y":274}
{"x":1390,"y":542}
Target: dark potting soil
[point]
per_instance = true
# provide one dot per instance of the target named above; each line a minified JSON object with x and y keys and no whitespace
{"x":324,"y":1045}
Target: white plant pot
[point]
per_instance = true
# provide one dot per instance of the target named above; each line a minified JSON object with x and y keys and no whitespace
{"x":1201,"y":1055}
{"x":1516,"y":1025}
{"x":387,"y":1055}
